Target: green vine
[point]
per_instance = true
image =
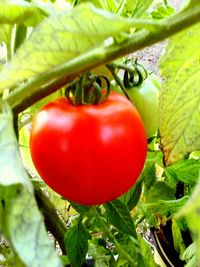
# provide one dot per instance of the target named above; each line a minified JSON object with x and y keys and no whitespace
{"x":51,"y":80}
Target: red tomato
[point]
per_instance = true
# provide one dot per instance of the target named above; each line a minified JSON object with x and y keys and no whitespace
{"x":89,"y":154}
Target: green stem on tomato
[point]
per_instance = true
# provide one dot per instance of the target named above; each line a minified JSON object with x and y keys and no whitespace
{"x":117,"y":245}
{"x":49,"y":81}
{"x":118,"y":80}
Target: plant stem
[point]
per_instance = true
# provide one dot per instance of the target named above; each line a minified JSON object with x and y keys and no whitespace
{"x":118,"y":80}
{"x":52,"y":220}
{"x":117,"y":245}
{"x":51,"y":80}
{"x":9,"y":52}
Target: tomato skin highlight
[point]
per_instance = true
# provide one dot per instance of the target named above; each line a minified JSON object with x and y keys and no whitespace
{"x":89,"y":154}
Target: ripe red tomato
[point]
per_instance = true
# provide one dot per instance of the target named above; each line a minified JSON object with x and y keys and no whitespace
{"x":89,"y":154}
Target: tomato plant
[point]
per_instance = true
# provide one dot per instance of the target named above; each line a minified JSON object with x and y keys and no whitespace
{"x":90,"y":154}
{"x":93,"y":153}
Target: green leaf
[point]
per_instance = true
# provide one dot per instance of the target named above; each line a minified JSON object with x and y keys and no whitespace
{"x":146,"y":254}
{"x":19,"y":12}
{"x":100,"y":254}
{"x":141,"y":7}
{"x":186,"y":171}
{"x":133,"y":8}
{"x":60,"y":38}
{"x":165,"y":207}
{"x":179,"y":106}
{"x":195,"y":154}
{"x":96,"y":3}
{"x":162,"y":12}
{"x":132,"y":197}
{"x":189,"y":256}
{"x":109,"y":5}
{"x":83,"y":210}
{"x":102,"y":262}
{"x":149,"y":172}
{"x":20,"y":35}
{"x":119,"y":215}
{"x":126,"y":8}
{"x":65,"y":260}
{"x":191,"y":212}
{"x":76,"y":241}
{"x":129,"y":245}
{"x":5,"y":34}
{"x":160,"y":190}
{"x":21,"y":221}
{"x":177,"y":237}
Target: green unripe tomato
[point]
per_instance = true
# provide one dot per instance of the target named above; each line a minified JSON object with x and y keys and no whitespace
{"x":146,"y":100}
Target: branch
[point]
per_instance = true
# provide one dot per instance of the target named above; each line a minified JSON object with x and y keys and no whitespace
{"x":53,"y":222}
{"x":51,"y":80}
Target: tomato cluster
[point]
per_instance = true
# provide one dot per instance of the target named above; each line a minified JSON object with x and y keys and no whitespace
{"x":89,"y":154}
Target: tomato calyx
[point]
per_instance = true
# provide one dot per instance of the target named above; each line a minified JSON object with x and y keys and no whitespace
{"x":89,"y":89}
{"x":134,"y":74}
